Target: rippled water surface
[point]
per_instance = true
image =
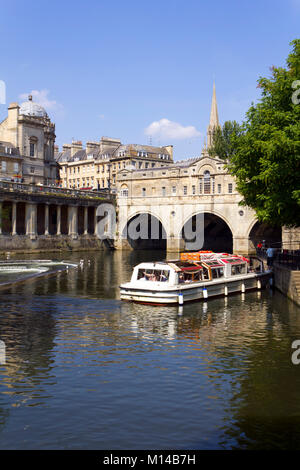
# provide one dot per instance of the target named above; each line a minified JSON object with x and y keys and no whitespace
{"x":86,"y":371}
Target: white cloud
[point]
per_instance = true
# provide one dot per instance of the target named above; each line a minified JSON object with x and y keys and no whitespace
{"x":41,"y":97}
{"x":171,"y":130}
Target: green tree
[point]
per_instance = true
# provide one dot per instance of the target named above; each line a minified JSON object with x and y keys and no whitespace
{"x":265,"y":155}
{"x":223,"y":146}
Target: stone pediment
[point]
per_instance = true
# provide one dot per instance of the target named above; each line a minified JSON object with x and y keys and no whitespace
{"x":211,"y":164}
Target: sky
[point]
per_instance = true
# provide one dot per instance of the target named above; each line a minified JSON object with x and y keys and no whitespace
{"x":142,"y":71}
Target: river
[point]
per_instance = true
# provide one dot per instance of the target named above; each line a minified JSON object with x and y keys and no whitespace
{"x":84,"y":370}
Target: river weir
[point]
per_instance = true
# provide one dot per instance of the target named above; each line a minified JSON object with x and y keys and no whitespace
{"x":16,"y":271}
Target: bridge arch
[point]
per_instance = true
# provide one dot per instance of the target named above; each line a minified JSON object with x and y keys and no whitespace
{"x":145,"y":231}
{"x":209,"y":230}
{"x":261,"y":232}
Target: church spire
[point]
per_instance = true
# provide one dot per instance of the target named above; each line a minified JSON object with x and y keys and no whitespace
{"x":214,"y":118}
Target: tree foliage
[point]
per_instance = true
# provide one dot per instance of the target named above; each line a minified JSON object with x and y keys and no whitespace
{"x":223,"y":140}
{"x":264,"y":154}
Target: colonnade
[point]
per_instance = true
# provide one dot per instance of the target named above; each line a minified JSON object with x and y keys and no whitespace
{"x":34,"y":219}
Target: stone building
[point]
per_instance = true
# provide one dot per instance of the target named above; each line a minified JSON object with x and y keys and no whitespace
{"x":98,"y":165}
{"x":173,"y":196}
{"x":27,"y":139}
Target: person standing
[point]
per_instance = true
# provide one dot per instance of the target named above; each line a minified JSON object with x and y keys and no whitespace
{"x":270,"y":256}
{"x":259,"y":248}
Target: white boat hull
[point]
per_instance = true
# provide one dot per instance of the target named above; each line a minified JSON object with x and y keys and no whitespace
{"x":188,"y":293}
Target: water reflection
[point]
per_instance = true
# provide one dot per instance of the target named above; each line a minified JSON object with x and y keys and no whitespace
{"x":206,"y":375}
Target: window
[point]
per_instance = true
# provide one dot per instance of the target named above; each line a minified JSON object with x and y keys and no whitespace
{"x":153,"y":165}
{"x":143,"y":192}
{"x":32,"y":169}
{"x":157,"y":275}
{"x":124,"y":192}
{"x":193,"y":189}
{"x":174,"y":190}
{"x":217,"y":272}
{"x":230,"y":188}
{"x":146,"y":165}
{"x":219,"y":188}
{"x":16,"y":167}
{"x":140,"y":164}
{"x":200,"y":185}
{"x":163,"y":191}
{"x":31,"y":149}
{"x":3,"y":166}
{"x":206,"y":182}
{"x":185,"y":190}
{"x":238,"y":269}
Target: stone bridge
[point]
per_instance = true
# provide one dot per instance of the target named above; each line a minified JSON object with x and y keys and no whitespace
{"x":225,"y":224}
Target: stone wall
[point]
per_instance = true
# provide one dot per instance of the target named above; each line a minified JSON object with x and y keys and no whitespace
{"x":23,"y":243}
{"x":288,"y":282}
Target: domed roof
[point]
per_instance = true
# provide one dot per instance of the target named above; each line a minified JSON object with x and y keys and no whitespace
{"x":30,"y":108}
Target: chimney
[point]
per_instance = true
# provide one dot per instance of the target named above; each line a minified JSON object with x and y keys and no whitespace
{"x":108,"y":144}
{"x":92,"y":147}
{"x":12,"y":124}
{"x":169,"y":149}
{"x":66,"y":147}
{"x":76,"y":145}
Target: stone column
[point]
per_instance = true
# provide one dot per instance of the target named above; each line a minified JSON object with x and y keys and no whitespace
{"x":58,"y":212}
{"x":0,"y":217}
{"x":241,"y":245}
{"x":95,"y":220}
{"x":86,"y":220}
{"x":14,"y":218}
{"x":175,"y":244}
{"x":73,"y":221}
{"x":31,"y":220}
{"x":46,"y":219}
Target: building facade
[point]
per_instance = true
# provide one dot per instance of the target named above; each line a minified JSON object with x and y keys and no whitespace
{"x":27,"y":138}
{"x":99,"y":164}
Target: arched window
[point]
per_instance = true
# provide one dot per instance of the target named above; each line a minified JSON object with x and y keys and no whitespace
{"x":206,"y":177}
{"x":124,"y":191}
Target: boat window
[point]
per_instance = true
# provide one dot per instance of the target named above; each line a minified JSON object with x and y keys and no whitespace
{"x":238,"y":269}
{"x":205,"y":273}
{"x":157,"y":275}
{"x":185,"y":277}
{"x":217,"y":272}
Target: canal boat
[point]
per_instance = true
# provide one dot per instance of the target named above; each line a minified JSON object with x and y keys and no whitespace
{"x":195,"y":276}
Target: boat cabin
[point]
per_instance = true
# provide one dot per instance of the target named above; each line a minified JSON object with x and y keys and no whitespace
{"x":185,"y":271}
{"x":234,"y":266}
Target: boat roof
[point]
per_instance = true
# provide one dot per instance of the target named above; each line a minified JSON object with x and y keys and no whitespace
{"x":208,"y":259}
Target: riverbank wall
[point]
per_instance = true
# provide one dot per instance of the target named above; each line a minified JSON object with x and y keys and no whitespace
{"x":288,"y":282}
{"x":23,"y":244}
